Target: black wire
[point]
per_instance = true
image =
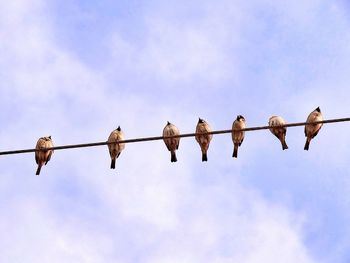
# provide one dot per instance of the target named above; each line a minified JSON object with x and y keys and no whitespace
{"x":175,"y":136}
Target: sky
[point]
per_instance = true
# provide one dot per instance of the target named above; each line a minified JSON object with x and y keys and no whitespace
{"x":76,"y":70}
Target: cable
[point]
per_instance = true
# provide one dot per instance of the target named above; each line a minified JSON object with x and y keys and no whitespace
{"x":71,"y":146}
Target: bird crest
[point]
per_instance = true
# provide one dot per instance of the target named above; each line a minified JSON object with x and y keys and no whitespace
{"x":240,"y":117}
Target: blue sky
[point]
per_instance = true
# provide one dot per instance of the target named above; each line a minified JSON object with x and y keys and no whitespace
{"x":77,"y":70}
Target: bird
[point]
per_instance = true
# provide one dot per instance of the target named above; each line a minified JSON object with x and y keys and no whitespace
{"x":237,"y":136}
{"x":171,"y":143}
{"x":279,"y":132}
{"x":203,"y":138}
{"x":114,"y":147}
{"x":42,"y":156}
{"x":311,"y":130}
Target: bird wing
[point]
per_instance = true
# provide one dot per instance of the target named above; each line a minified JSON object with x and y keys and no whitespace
{"x":284,"y":130}
{"x":241,"y":141}
{"x":37,"y":147}
{"x":48,"y":157}
{"x":168,"y":146}
{"x":313,"y":136}
{"x":310,"y":119}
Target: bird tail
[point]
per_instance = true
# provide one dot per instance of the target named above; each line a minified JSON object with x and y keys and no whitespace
{"x":38,"y":170}
{"x":113,"y":164}
{"x":173,"y":157}
{"x":284,"y":144}
{"x":235,"y":151}
{"x":307,"y":144}
{"x":204,"y":157}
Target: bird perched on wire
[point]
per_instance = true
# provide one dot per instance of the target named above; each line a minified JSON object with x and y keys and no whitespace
{"x":279,"y":132}
{"x":42,"y":156}
{"x":311,"y":130}
{"x":171,"y":143}
{"x":203,"y":138}
{"x":114,"y":147}
{"x":237,"y":136}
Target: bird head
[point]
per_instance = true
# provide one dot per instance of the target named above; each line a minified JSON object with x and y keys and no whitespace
{"x":318,"y":109}
{"x":200,"y":120}
{"x":168,"y":123}
{"x":119,"y":129}
{"x":48,"y":137}
{"x":240,"y":118}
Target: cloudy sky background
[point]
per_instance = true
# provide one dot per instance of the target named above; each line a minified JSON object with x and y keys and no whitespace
{"x":77,"y":70}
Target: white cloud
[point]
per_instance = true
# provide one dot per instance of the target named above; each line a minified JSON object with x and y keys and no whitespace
{"x":174,"y":50}
{"x":234,"y":231}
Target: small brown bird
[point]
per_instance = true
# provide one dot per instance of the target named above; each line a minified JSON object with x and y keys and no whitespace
{"x":115,"y":148}
{"x":279,"y":132}
{"x":171,"y":143}
{"x":202,"y":138}
{"x":237,"y":136}
{"x":311,"y":130}
{"x":42,"y":156}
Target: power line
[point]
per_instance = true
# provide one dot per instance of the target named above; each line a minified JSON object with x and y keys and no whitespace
{"x":145,"y":139}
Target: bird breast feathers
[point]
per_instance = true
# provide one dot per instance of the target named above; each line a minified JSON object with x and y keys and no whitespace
{"x":115,"y":137}
{"x":170,"y":130}
{"x":171,"y":143}
{"x":201,"y":129}
{"x":44,"y":143}
{"x":276,"y":120}
{"x":315,"y":116}
{"x":238,"y":125}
